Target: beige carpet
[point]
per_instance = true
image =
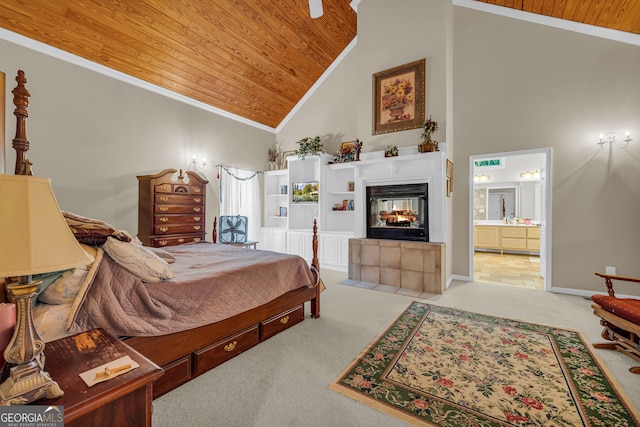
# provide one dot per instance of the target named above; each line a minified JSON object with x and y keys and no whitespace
{"x":285,"y":380}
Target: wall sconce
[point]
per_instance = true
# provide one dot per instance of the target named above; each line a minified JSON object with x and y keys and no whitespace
{"x":481,"y":178}
{"x":198,"y":165}
{"x":611,"y":137}
{"x":530,"y":175}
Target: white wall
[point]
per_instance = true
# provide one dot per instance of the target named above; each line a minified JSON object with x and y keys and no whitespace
{"x":92,"y":135}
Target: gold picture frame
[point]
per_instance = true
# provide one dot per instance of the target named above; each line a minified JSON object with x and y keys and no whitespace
{"x":449,"y":177}
{"x":398,"y":98}
{"x":283,"y":159}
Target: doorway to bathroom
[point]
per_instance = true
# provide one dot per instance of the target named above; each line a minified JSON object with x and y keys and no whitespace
{"x":510,"y":218}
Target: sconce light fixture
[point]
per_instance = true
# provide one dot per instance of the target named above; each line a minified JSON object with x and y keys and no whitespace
{"x":530,"y":175}
{"x":198,"y":164}
{"x":481,"y":178}
{"x":612,"y":137}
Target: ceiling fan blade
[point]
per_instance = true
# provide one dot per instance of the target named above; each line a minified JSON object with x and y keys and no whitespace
{"x":315,"y":8}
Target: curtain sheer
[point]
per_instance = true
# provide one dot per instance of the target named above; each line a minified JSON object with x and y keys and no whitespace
{"x":240,"y":195}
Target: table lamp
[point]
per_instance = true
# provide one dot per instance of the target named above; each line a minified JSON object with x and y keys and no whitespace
{"x":34,"y":239}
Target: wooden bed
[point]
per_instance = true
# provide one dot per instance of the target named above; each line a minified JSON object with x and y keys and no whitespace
{"x":186,"y":354}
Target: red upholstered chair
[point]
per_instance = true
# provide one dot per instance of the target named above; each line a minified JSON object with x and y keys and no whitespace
{"x":620,"y":318}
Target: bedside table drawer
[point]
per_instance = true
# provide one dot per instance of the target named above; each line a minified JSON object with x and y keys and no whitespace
{"x":215,"y":354}
{"x":279,"y":323}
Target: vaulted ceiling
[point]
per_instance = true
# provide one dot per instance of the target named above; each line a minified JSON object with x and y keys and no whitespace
{"x":622,"y":15}
{"x":253,"y":58}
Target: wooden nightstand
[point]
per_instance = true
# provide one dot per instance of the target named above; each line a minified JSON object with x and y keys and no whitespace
{"x":121,"y":401}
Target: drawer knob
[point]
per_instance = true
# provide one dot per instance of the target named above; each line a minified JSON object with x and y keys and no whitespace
{"x":162,"y":242}
{"x":196,"y":189}
{"x":164,"y":229}
{"x":196,"y":239}
{"x":284,"y":320}
{"x":166,"y":187}
{"x":163,"y":198}
{"x":197,"y":209}
{"x":231,"y":346}
{"x":197,"y":218}
{"x":163,"y":219}
{"x":196,"y":227}
{"x":197,"y":199}
{"x":181,"y":240}
{"x":163,"y":208}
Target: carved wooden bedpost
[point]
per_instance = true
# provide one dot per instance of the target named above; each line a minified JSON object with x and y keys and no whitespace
{"x":214,"y":234}
{"x":315,"y":302}
{"x":20,"y":143}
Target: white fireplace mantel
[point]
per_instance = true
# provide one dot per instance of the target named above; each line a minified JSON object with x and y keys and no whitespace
{"x":403,"y":169}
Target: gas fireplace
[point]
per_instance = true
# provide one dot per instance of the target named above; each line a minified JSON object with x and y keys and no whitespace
{"x":398,"y":212}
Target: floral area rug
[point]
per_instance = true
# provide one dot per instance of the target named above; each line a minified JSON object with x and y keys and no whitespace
{"x":440,"y":366}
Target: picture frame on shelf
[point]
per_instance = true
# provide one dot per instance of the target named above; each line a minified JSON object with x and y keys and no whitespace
{"x":283,"y":158}
{"x":398,"y":98}
{"x":351,"y":186}
{"x":304,"y":192}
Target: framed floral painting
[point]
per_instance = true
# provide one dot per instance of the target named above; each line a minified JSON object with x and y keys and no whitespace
{"x":398,"y":98}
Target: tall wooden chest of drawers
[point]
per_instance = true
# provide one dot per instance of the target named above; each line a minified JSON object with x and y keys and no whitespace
{"x":171,"y":208}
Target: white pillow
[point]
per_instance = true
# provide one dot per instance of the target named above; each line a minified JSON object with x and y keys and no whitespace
{"x":65,"y":288}
{"x":138,"y":260}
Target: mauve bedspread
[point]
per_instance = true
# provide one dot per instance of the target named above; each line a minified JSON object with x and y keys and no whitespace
{"x":213,"y":282}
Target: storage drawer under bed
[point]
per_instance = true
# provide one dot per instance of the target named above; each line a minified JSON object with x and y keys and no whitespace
{"x":282,"y":321}
{"x":218,"y":353}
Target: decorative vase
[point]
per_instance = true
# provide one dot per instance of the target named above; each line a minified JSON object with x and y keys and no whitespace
{"x":427,"y":147}
{"x":396,"y":110}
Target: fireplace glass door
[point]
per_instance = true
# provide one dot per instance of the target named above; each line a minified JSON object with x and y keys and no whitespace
{"x":398,"y":212}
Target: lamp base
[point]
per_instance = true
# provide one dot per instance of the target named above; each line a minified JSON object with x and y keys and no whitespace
{"x":28,"y":382}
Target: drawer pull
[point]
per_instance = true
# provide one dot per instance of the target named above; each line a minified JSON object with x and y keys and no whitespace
{"x":163,"y":208}
{"x":163,"y":198}
{"x":164,"y":229}
{"x":284,"y":320}
{"x":196,"y":239}
{"x":196,"y":189}
{"x":197,"y":218}
{"x":163,"y":219}
{"x":197,"y":209}
{"x":162,"y":242}
{"x":196,"y":227}
{"x":197,"y":199}
{"x":231,"y":346}
{"x":181,"y":240}
{"x":166,"y":187}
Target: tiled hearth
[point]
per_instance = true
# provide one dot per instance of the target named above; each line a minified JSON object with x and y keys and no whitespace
{"x":417,"y":266}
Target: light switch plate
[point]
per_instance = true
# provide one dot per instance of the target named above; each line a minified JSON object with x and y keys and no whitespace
{"x":610,"y":270}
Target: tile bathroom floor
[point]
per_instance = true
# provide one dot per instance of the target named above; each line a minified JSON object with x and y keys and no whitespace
{"x":508,"y":269}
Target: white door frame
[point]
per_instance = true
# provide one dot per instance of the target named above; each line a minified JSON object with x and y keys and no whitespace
{"x":545,"y":220}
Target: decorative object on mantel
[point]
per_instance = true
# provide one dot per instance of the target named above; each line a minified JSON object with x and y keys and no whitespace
{"x":398,"y":98}
{"x":449,"y":177}
{"x":428,"y":144}
{"x":391,"y":151}
{"x":309,"y":146}
{"x":348,"y":152}
{"x":274,"y":155}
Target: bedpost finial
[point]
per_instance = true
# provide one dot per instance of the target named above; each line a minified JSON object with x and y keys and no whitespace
{"x":20,"y":142}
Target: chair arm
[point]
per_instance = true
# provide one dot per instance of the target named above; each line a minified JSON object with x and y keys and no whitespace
{"x":609,"y":277}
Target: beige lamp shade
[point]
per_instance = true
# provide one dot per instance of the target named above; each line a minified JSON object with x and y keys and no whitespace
{"x":34,"y":236}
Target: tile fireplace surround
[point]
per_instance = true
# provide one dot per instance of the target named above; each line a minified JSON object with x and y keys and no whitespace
{"x":411,"y":265}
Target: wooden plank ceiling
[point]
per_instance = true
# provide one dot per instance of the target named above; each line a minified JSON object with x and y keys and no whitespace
{"x":253,"y":58}
{"x":622,"y":15}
